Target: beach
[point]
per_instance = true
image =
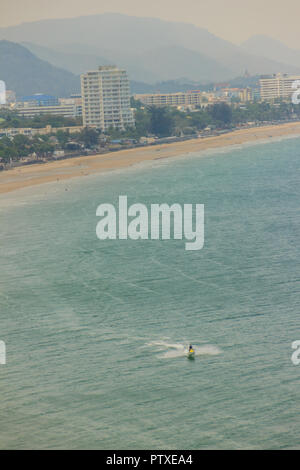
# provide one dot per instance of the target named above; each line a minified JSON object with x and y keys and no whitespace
{"x":31,"y":175}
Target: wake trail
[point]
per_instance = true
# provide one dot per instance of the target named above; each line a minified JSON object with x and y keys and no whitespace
{"x":169,"y":350}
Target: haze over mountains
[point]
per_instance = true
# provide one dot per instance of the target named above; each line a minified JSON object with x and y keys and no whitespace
{"x":273,"y":49}
{"x":164,"y":63}
{"x":24,"y":73}
{"x":149,"y":48}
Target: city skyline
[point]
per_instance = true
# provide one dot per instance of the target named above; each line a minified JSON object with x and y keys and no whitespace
{"x":232,"y":20}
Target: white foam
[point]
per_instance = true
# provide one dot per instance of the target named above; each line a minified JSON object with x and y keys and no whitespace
{"x":174,"y":350}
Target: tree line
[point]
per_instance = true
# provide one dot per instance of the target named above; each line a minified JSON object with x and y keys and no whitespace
{"x":43,"y":146}
{"x":168,"y":121}
{"x":150,"y":121}
{"x":10,"y":119}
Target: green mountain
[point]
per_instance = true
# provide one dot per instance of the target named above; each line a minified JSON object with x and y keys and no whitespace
{"x":26,"y":74}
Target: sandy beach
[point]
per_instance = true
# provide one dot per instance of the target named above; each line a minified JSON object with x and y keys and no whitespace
{"x":31,"y":175}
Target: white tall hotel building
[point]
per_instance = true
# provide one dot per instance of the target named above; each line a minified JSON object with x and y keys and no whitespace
{"x":106,"y":98}
{"x":277,"y":86}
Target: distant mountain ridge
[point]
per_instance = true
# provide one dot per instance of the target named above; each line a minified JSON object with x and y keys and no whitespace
{"x":26,"y":74}
{"x":150,"y":49}
{"x":179,"y":59}
{"x":76,"y":63}
{"x":265,"y":46}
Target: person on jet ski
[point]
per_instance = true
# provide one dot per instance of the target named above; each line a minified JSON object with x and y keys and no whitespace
{"x":191,"y":348}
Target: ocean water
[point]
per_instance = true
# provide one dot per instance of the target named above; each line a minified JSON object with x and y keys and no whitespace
{"x":96,"y":331}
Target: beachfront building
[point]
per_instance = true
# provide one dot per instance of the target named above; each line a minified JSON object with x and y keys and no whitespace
{"x":231,"y":94}
{"x":65,"y":110}
{"x":38,"y":99}
{"x":106,"y":99}
{"x":245,"y":94}
{"x":30,"y":131}
{"x":188,"y":98}
{"x":74,"y":100}
{"x":227,"y":94}
{"x":40,"y":104}
{"x":277,"y":86}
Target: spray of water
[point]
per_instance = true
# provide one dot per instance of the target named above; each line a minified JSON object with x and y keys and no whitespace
{"x":173,"y":350}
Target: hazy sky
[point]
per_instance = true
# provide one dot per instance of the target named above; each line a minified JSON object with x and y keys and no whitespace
{"x":234,"y":20}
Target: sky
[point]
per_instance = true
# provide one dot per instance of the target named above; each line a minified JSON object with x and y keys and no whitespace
{"x":234,"y":20}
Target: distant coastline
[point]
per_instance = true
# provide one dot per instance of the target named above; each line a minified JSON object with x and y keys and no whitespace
{"x":27,"y":176}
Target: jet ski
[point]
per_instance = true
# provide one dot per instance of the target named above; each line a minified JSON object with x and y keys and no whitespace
{"x":191,"y":353}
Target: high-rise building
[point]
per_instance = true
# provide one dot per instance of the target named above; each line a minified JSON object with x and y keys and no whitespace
{"x":277,"y":86}
{"x":106,"y":99}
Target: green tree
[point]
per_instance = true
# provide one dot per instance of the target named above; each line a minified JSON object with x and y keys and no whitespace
{"x":22,"y":145}
{"x":142,"y":122}
{"x":161,"y":121}
{"x":62,"y":138}
{"x":221,"y":113}
{"x":89,"y":137}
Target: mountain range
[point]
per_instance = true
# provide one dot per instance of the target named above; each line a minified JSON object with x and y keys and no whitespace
{"x":49,"y":55}
{"x":150,"y":49}
{"x":273,"y":49}
{"x":26,"y":74}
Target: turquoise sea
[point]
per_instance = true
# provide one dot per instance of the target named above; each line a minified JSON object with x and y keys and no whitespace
{"x":96,"y":331}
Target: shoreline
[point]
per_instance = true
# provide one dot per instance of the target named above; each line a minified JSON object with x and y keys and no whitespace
{"x":27,"y":176}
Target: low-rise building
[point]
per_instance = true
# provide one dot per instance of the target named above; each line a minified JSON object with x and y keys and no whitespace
{"x":245,"y":94}
{"x":65,"y":110}
{"x":179,"y":99}
{"x":39,"y":99}
{"x":75,"y":100}
{"x":40,"y":104}
{"x":30,"y":132}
